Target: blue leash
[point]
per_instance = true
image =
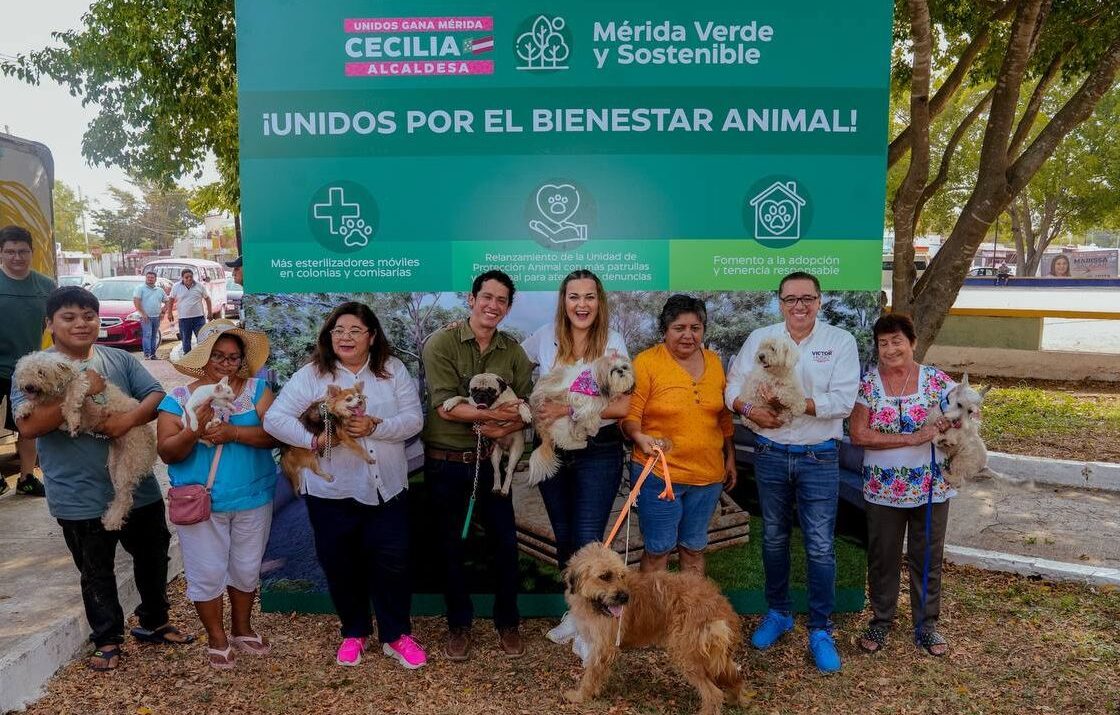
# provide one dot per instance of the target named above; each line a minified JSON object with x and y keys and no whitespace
{"x":935,"y":473}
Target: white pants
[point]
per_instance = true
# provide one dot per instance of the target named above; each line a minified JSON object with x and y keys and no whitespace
{"x":225,"y":550}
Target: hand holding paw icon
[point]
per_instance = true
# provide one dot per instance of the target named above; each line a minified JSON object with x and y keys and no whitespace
{"x":355,"y":232}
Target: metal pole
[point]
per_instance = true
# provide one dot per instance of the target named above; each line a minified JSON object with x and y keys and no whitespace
{"x":82,"y":208}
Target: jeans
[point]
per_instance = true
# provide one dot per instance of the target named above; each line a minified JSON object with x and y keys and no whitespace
{"x":363,"y":550}
{"x":812,"y":480}
{"x":681,"y":522}
{"x":151,"y":338}
{"x":146,"y":538}
{"x":580,"y":497}
{"x":188,"y":329}
{"x":449,"y":487}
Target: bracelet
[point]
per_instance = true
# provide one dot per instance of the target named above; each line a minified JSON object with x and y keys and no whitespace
{"x":745,"y":410}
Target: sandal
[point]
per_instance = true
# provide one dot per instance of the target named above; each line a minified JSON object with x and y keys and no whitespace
{"x":220,"y":659}
{"x":159,"y":635}
{"x":110,"y":654}
{"x":873,"y":639}
{"x":253,"y":645}
{"x":928,"y":640}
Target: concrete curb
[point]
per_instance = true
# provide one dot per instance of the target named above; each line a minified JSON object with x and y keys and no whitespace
{"x":1061,"y":472}
{"x":25,"y":670}
{"x":1032,"y":566}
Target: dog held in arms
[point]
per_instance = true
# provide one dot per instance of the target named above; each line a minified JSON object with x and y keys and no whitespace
{"x":487,"y":391}
{"x":683,"y":613}
{"x":46,"y":377}
{"x":586,"y":390}
{"x":326,"y":417}
{"x":773,"y":372}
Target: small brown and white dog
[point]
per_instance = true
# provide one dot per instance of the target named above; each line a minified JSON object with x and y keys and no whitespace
{"x":326,"y":417}
{"x":46,"y":377}
{"x":775,"y":361}
{"x":586,"y":390}
{"x":683,"y":613}
{"x":487,"y":391}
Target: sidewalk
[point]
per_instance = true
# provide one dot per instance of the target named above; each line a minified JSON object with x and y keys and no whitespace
{"x":42,"y":623}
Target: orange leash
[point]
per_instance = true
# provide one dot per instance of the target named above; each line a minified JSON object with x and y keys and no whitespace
{"x":665,"y":495}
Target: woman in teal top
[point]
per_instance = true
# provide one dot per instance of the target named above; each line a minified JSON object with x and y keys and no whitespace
{"x":224,"y":552}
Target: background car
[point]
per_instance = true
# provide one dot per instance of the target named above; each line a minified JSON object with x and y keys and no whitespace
{"x":234,"y":294}
{"x":85,"y":280}
{"x":120,"y":321}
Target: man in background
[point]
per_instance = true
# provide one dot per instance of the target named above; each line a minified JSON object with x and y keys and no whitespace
{"x":149,"y":299}
{"x":194,"y":307}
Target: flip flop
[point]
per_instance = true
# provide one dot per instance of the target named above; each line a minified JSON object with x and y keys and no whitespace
{"x":226,"y":661}
{"x":106,"y":653}
{"x":254,"y":645}
{"x":159,"y":635}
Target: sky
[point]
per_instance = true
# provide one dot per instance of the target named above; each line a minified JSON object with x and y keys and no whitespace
{"x":47,"y":113}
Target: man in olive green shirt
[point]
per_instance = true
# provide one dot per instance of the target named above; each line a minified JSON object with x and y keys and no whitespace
{"x":451,"y":358}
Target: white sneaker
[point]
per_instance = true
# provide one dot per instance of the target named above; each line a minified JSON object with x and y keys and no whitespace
{"x":581,"y":649}
{"x":564,"y":631}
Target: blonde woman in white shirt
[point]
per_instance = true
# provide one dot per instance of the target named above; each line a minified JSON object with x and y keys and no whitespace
{"x":580,"y":497}
{"x":360,"y":519}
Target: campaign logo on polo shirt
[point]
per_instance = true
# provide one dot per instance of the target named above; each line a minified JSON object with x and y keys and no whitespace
{"x":821,"y":356}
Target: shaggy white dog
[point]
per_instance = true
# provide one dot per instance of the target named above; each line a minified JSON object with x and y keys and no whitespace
{"x":586,"y":390}
{"x":774,"y":364}
{"x":48,"y":376}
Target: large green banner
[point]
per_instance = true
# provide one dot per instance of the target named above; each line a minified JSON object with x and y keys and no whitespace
{"x":709,"y":145}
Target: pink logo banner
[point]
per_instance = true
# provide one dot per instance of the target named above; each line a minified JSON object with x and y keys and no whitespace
{"x":412,"y":69}
{"x":417,"y":24}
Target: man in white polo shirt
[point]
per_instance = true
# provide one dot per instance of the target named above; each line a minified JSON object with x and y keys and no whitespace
{"x":798,"y":462}
{"x":194,"y":307}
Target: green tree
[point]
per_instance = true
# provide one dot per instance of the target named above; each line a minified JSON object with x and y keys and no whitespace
{"x":162,"y":74}
{"x":68,"y":209}
{"x":154,"y":219}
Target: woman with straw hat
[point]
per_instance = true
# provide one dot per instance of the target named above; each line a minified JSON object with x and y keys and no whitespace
{"x":224,"y":552}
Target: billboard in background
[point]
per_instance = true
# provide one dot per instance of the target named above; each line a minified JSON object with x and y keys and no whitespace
{"x":26,"y":195}
{"x":1081,"y":264}
{"x":404,"y":147}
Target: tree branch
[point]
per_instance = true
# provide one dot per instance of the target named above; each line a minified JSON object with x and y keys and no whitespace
{"x":950,"y":150}
{"x":1075,"y":111}
{"x":1030,"y":113}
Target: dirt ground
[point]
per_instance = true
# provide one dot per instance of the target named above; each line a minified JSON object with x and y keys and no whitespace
{"x":1018,"y":646}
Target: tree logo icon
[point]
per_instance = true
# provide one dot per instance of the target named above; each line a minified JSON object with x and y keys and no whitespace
{"x":543,"y":45}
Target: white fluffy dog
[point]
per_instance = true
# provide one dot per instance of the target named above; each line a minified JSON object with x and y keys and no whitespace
{"x":774,"y":364}
{"x":968,"y":457}
{"x":488,"y":391}
{"x":586,"y":390}
{"x":46,"y":377}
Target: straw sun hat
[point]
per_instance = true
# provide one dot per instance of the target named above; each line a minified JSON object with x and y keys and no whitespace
{"x":256,"y":348}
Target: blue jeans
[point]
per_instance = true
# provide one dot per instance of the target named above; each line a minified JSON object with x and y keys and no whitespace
{"x":681,"y":522}
{"x":580,"y":497}
{"x":812,"y":480}
{"x":150,"y":336}
{"x":188,"y":329}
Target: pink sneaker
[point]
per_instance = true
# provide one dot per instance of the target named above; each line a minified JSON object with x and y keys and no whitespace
{"x":407,"y":652}
{"x":350,"y":652}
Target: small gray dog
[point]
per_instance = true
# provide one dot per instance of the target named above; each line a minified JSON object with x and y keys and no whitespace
{"x":488,"y":391}
{"x":49,"y":376}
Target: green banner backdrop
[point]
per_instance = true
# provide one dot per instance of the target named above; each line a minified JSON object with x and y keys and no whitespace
{"x":664,"y":145}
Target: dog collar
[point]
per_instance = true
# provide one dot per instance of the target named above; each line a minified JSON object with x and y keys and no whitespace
{"x":585,"y":384}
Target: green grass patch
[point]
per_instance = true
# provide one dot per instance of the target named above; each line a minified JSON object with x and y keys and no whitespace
{"x":1026,"y":412}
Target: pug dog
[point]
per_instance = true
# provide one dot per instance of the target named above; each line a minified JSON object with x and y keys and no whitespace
{"x":485,"y":392}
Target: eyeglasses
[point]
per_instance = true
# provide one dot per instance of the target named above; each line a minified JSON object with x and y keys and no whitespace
{"x":353,"y":334}
{"x":22,"y":253}
{"x":789,"y":301}
{"x":219,"y":358}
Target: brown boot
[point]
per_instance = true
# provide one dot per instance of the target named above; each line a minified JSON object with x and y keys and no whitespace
{"x":458,"y":644}
{"x":510,"y":640}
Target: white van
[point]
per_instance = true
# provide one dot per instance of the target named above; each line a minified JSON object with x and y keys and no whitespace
{"x":212,"y":275}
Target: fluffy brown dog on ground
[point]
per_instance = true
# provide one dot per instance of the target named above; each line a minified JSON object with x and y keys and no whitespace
{"x":326,"y":417}
{"x":683,"y":613}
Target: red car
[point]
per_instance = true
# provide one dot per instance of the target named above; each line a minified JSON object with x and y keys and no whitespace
{"x":120,"y":322}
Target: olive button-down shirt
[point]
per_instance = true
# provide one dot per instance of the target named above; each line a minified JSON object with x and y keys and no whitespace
{"x":451,"y":358}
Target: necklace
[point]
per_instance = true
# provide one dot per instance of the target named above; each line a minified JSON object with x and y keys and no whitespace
{"x":898,"y":394}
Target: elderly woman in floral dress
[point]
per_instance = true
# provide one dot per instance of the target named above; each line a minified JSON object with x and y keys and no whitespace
{"x":895,"y":420}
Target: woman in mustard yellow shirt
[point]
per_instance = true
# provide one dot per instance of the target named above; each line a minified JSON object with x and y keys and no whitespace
{"x":678,"y":398}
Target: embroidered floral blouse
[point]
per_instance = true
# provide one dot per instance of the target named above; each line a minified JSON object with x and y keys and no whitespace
{"x":901,"y":476}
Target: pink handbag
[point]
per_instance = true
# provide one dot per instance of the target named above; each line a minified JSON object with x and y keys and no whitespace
{"x":190,"y":504}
